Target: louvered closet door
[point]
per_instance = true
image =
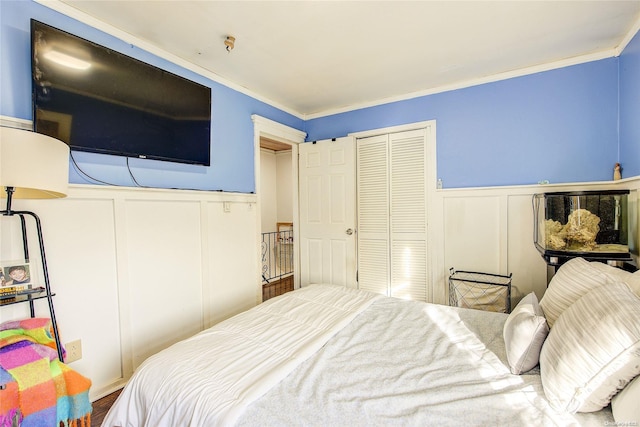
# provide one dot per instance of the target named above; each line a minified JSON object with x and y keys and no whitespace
{"x":408,"y":228}
{"x":373,"y":214}
{"x":392,"y":227}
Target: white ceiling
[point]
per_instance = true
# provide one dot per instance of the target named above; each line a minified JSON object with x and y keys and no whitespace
{"x":317,"y":57}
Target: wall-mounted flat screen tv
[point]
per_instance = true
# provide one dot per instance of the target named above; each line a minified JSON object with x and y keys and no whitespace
{"x":101,"y":101}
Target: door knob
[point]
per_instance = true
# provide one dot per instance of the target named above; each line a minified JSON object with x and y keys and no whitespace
{"x":349,"y":231}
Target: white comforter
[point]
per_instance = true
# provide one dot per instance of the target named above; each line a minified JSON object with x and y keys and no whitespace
{"x":399,"y":363}
{"x":406,"y":363}
{"x":209,"y":379}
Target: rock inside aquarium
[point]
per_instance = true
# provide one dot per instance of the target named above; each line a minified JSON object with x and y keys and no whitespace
{"x":578,"y":234}
{"x":555,"y":235}
{"x":582,"y":228}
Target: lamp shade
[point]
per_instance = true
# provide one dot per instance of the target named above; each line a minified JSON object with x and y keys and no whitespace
{"x":36,"y":165}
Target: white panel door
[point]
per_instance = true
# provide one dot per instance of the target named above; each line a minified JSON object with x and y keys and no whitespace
{"x":327,"y":212}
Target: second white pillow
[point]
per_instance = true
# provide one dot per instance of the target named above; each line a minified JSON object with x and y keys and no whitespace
{"x":572,"y":280}
{"x":524,"y":333}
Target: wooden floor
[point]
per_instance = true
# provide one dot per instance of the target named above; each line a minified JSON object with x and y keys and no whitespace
{"x":101,"y":407}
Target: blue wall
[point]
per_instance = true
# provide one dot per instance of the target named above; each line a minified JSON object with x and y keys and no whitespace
{"x":630,"y":108}
{"x":559,"y":125}
{"x":231,"y":128}
{"x":566,"y":125}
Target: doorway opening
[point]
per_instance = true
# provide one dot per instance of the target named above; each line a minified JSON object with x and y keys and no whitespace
{"x":277,"y":217}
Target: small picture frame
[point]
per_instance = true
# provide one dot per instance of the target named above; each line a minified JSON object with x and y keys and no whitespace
{"x":15,"y":273}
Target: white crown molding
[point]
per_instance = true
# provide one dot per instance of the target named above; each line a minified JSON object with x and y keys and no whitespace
{"x":74,"y":13}
{"x":473,"y":82}
{"x":630,"y":35}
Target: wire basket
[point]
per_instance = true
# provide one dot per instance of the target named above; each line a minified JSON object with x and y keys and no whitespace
{"x":481,"y":291}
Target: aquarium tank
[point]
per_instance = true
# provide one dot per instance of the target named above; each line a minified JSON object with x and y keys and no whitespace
{"x":589,"y":224}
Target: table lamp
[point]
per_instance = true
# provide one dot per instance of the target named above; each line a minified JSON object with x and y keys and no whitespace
{"x":33,"y":166}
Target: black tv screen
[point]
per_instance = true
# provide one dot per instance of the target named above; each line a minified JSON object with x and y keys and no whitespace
{"x":101,"y":101}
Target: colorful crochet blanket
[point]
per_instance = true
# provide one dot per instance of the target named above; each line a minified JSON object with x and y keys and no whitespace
{"x":37,"y":388}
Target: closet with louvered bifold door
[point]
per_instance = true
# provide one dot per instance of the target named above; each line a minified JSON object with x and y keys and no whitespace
{"x":392,"y":214}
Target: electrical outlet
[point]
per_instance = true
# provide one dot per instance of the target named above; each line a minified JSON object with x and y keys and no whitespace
{"x":74,"y":351}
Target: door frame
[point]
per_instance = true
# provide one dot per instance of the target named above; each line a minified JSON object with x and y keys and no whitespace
{"x":263,"y":127}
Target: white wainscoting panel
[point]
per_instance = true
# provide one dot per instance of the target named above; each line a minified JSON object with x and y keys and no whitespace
{"x":473,"y":230}
{"x":231,"y":282}
{"x":164,"y":269}
{"x":523,"y":257}
{"x":82,"y":265}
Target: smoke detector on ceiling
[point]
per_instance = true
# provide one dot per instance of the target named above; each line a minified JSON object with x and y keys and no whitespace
{"x":229,"y":42}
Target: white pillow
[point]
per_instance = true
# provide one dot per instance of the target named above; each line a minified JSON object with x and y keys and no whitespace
{"x":626,"y":404}
{"x":631,"y":279}
{"x":593,"y":350}
{"x":524,"y":333}
{"x":572,"y":280}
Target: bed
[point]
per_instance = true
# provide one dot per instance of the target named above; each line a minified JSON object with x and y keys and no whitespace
{"x":328,"y":355}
